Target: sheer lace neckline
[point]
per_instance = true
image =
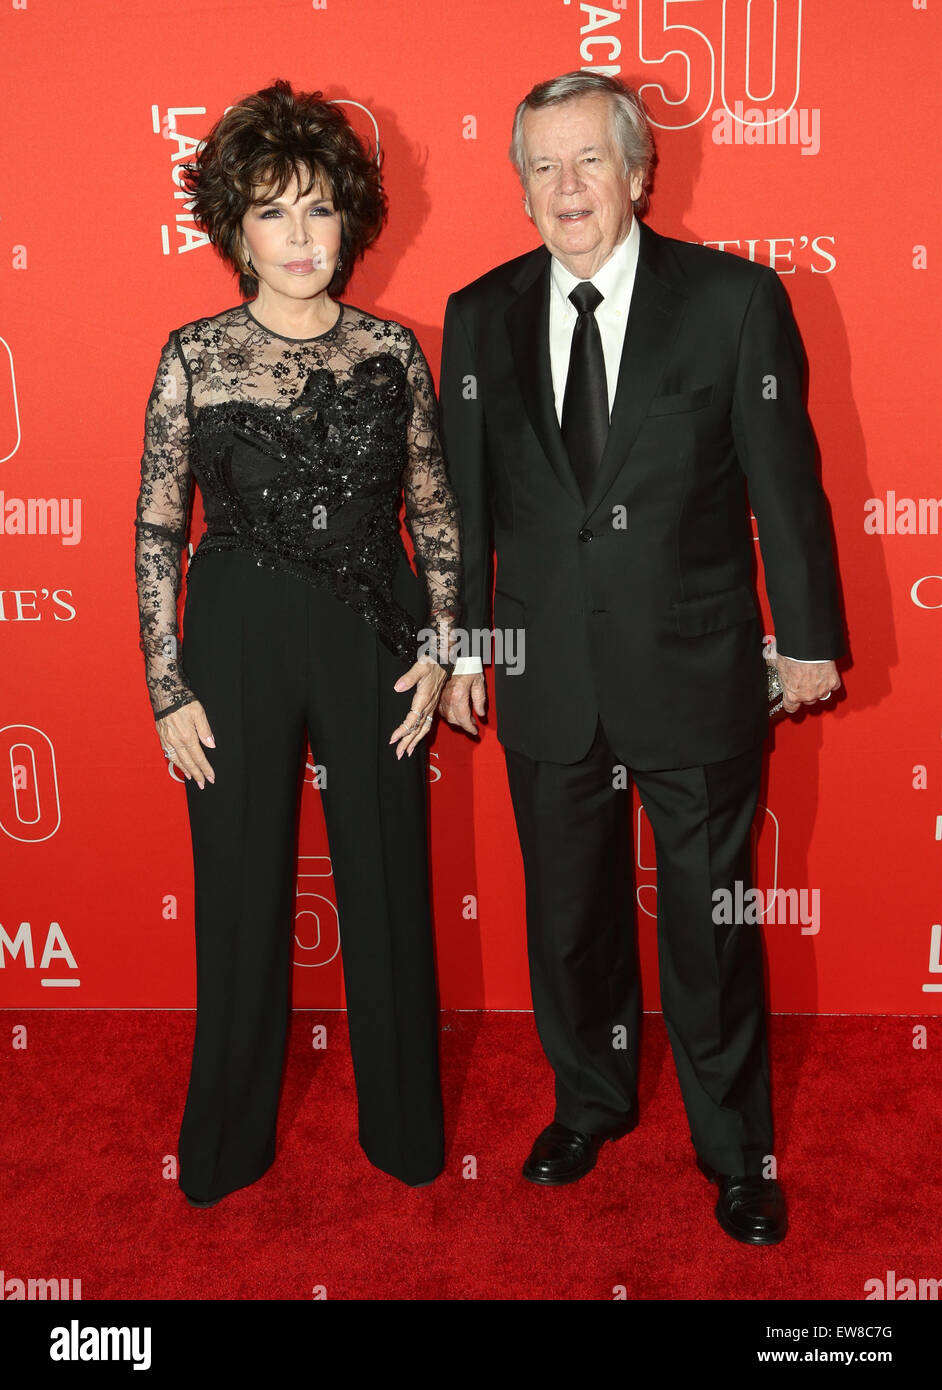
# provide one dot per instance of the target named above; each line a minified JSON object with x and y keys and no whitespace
{"x":318,"y":337}
{"x":278,"y":433}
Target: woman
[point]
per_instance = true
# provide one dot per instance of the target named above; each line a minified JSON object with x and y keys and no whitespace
{"x":302,"y":419}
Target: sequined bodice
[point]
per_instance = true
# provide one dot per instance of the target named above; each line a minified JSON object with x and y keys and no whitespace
{"x":302,"y":450}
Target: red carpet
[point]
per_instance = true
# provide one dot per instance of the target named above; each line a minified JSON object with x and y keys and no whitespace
{"x":92,"y":1108}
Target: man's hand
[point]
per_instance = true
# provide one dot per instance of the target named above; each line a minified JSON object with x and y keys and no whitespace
{"x":459,"y":696}
{"x":806,"y":682}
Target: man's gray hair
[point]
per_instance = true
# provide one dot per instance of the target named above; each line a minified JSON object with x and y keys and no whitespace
{"x":630,"y":124}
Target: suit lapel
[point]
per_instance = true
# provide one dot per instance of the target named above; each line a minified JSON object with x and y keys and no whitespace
{"x":527,"y":321}
{"x":654,"y":318}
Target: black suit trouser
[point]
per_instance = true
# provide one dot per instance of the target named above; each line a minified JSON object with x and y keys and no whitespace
{"x":574,"y":825}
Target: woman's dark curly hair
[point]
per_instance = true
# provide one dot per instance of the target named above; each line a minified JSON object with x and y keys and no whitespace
{"x":261,"y":143}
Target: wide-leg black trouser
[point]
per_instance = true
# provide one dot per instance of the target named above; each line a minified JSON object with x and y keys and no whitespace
{"x":575,"y":832}
{"x":272,"y":658}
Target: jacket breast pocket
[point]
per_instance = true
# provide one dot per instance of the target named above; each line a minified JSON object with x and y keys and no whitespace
{"x":713,"y":612}
{"x":680,"y":401}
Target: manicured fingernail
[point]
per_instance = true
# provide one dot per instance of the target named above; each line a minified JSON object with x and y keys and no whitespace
{"x":210,"y":742}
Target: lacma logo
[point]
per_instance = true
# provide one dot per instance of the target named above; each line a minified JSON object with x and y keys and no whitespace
{"x":55,"y":948}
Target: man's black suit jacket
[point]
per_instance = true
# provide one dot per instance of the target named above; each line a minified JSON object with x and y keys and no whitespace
{"x":638,"y":604}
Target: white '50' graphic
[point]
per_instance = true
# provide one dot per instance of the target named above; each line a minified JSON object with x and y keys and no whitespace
{"x":759,"y":58}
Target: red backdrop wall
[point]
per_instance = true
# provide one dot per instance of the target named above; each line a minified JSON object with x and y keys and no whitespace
{"x":99,"y":259}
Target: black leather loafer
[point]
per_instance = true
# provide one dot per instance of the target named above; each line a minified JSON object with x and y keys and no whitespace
{"x":562,"y":1155}
{"x":750,"y":1208}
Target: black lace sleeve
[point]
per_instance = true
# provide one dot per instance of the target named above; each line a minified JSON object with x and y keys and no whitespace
{"x":432,"y":515}
{"x":160,"y":526}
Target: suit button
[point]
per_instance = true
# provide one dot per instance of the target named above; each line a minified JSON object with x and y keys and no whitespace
{"x":585,"y":534}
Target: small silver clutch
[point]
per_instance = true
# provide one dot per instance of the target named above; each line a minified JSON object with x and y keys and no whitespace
{"x":775,"y":691}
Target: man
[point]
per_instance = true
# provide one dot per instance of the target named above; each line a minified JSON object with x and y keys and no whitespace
{"x":605,"y":400}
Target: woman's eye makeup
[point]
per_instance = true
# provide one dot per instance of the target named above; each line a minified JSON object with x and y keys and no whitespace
{"x":317,"y":210}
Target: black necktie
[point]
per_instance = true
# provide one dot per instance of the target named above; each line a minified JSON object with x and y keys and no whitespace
{"x":585,"y":404}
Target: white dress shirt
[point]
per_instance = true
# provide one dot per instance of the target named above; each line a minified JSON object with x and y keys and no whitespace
{"x":615,"y":281}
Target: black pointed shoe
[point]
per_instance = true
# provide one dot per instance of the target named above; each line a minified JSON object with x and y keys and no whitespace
{"x":561,"y":1155}
{"x":750,"y":1208}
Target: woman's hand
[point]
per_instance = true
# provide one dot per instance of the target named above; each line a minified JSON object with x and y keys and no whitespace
{"x":429,"y":679}
{"x":180,"y":736}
